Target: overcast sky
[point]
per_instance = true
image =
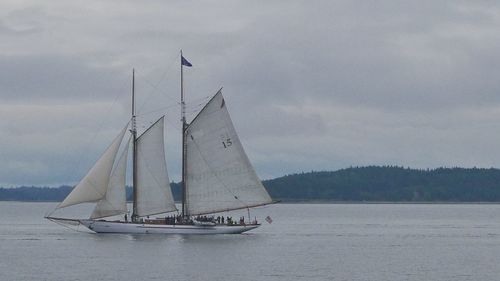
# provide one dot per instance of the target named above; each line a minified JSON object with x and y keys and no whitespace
{"x":310,"y":85}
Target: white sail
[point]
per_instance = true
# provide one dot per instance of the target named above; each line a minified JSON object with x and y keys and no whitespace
{"x":93,"y":186}
{"x":115,"y":201}
{"x":153,"y":189}
{"x":219,"y":175}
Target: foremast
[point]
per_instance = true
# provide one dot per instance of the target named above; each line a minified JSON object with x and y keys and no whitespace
{"x":133,"y":130}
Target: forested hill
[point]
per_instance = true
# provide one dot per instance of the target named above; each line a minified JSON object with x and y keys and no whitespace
{"x":374,"y":183}
{"x":393,"y":184}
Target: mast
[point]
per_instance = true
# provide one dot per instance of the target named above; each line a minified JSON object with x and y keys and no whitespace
{"x":184,"y":126}
{"x":133,"y":130}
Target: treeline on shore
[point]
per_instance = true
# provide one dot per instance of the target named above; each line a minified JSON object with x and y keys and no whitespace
{"x":368,"y":184}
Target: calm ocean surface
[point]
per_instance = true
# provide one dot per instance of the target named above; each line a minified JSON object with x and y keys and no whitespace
{"x":305,"y":242}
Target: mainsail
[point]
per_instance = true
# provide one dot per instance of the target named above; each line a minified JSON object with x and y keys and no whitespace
{"x":153,"y":186}
{"x":219,"y":176}
{"x":94,"y":185}
{"x":114,"y":203}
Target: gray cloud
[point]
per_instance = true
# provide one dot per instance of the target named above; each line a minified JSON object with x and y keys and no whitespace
{"x":49,"y":77}
{"x":310,"y":85}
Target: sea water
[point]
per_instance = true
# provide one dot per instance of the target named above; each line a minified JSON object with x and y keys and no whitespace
{"x":304,"y":242}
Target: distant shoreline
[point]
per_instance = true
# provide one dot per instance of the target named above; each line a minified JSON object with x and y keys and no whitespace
{"x":357,"y":185}
{"x":323,"y":202}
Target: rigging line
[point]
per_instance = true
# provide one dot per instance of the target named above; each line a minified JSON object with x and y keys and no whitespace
{"x":191,"y":111}
{"x":158,"y":109}
{"x":162,"y":78}
{"x":199,"y":99}
{"x":196,"y":107}
{"x":49,"y":212}
{"x":153,"y":85}
{"x":77,"y":228}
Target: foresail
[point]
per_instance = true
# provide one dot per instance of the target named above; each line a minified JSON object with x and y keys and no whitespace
{"x":93,"y":186}
{"x":154,"y":195}
{"x":219,"y":175}
{"x":114,"y":203}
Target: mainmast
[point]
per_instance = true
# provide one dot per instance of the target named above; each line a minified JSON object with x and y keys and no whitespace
{"x":184,"y":127}
{"x":133,"y":130}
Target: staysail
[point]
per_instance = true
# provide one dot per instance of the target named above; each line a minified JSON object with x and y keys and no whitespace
{"x":114,"y":203}
{"x":93,"y":186}
{"x":153,"y":186}
{"x":219,"y":176}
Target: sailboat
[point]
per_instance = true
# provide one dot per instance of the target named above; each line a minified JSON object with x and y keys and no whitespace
{"x":217,"y":176}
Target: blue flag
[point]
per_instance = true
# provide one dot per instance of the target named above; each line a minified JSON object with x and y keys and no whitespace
{"x":185,"y":62}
